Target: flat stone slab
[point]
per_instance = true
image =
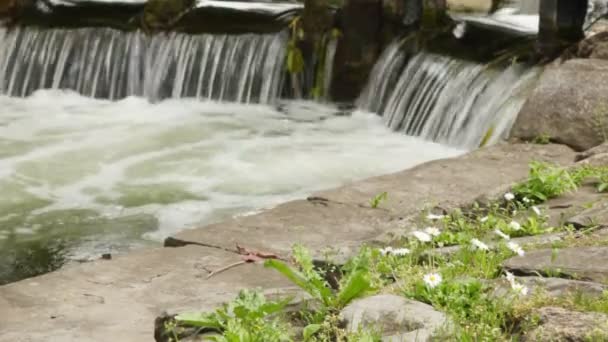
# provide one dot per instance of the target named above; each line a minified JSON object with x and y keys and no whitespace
{"x":118,"y":300}
{"x":563,"y":208}
{"x":597,"y":215}
{"x":582,"y":263}
{"x":553,"y":287}
{"x":342,"y":219}
{"x":557,"y":324}
{"x":325,"y":227}
{"x":454,"y":182}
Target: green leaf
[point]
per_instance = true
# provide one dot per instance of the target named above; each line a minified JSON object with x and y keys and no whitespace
{"x":310,"y":330}
{"x":314,"y":288}
{"x":486,"y":138}
{"x":602,"y":187}
{"x":203,"y":320}
{"x":358,"y":283}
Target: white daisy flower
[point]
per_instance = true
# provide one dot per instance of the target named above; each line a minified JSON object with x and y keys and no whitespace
{"x":515,"y":225}
{"x":516,"y":248}
{"x":432,"y":280}
{"x":434,"y":217}
{"x":519,"y":289}
{"x":480,"y":245}
{"x":536,"y":210}
{"x":483,"y":219}
{"x":386,"y":251}
{"x":509,"y":196}
{"x":501,"y":234}
{"x":432,"y":231}
{"x":422,"y":236}
{"x":401,"y":252}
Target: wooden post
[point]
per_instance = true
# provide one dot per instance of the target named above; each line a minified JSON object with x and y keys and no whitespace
{"x":561,"y":24}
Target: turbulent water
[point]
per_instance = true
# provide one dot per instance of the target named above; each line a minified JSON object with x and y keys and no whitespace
{"x":110,"y":64}
{"x":80,"y":177}
{"x":446,"y":100}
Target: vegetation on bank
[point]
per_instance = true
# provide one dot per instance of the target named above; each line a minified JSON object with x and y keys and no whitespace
{"x":461,"y":281}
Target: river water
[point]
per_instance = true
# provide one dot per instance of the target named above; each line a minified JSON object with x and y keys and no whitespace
{"x":80,"y":177}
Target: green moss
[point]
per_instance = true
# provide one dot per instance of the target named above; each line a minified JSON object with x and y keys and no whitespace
{"x":140,"y":195}
{"x":163,"y":14}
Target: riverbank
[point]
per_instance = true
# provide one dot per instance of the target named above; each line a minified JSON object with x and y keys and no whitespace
{"x":119,"y":299}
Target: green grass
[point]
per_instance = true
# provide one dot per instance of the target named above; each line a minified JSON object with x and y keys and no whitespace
{"x":460,"y":283}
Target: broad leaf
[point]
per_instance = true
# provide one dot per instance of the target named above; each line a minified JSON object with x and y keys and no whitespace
{"x":315,"y":288}
{"x":203,"y":320}
{"x":358,"y":283}
{"x":310,"y":330}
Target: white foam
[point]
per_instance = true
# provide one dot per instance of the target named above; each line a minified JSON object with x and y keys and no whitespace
{"x":236,"y":158}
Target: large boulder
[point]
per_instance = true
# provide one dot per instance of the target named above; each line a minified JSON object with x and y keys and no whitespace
{"x":568,"y":106}
{"x":557,"y":324}
{"x":398,"y":318}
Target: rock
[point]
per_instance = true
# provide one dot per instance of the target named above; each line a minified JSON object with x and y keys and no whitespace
{"x":119,"y":300}
{"x":561,"y":209}
{"x":594,"y":47}
{"x":594,"y":216}
{"x":597,"y":150}
{"x":398,"y":318}
{"x":557,"y":324}
{"x":553,"y":287}
{"x":583,"y":263}
{"x":568,"y":105}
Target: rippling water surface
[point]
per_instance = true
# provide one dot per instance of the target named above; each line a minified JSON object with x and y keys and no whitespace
{"x":80,"y":177}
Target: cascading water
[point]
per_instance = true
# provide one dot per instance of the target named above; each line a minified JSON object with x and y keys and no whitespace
{"x":444,"y":99}
{"x":111,"y":64}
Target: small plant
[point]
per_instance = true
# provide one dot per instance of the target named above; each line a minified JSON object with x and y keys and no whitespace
{"x":378,"y":199}
{"x":248,"y":318}
{"x":542,"y":139}
{"x":354,"y":284}
{"x":545,"y":182}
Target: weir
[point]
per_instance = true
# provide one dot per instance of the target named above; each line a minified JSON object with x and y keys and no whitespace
{"x":445,"y":99}
{"x":111,"y":64}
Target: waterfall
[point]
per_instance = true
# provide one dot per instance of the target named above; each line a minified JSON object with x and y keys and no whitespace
{"x":446,"y":100}
{"x":107,"y":63}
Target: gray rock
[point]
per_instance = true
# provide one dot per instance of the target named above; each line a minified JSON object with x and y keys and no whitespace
{"x":398,"y":318}
{"x":567,"y":105}
{"x":600,"y":149}
{"x":557,"y":324}
{"x":566,"y":206}
{"x":553,"y":287}
{"x":599,"y":159}
{"x":594,"y":216}
{"x":583,"y":263}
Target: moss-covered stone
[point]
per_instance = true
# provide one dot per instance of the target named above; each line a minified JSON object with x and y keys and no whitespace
{"x":163,"y":14}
